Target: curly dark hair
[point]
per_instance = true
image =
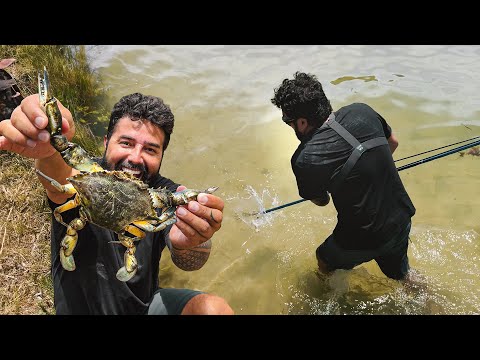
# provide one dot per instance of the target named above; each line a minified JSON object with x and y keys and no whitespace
{"x":303,"y":97}
{"x":143,"y":107}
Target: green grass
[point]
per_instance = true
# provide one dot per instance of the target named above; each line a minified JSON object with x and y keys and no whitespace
{"x":72,"y":81}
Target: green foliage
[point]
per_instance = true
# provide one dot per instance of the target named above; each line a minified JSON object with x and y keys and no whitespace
{"x":72,"y":81}
{"x":87,"y":140}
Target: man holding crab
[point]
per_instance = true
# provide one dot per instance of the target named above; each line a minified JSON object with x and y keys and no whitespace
{"x":138,"y":134}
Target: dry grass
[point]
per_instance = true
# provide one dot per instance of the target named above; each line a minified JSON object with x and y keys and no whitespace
{"x":25,"y":285}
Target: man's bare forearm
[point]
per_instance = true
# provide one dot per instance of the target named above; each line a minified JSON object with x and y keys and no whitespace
{"x":191,"y":259}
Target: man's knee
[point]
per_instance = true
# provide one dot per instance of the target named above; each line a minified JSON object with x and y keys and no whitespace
{"x":206,"y":304}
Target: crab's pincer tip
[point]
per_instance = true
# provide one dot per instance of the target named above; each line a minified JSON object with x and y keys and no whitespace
{"x":124,"y":275}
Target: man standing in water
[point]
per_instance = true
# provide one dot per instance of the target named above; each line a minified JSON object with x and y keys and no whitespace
{"x":348,"y":154}
{"x":137,"y":137}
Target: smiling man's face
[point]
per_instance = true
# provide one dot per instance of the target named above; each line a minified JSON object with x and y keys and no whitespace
{"x":135,"y":147}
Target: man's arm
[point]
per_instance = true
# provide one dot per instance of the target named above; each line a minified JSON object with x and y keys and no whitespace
{"x":25,"y":134}
{"x":322,"y":201}
{"x":392,"y":142}
{"x":190,"y":237}
{"x":388,"y":132}
{"x":193,"y":258}
{"x":311,"y":183}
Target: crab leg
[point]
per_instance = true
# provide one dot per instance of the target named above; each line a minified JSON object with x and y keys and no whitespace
{"x":69,"y":242}
{"x":67,"y":188}
{"x":135,"y":231}
{"x":165,"y":199}
{"x":72,"y":153}
{"x":167,"y":218}
{"x":70,"y":239}
{"x":187,"y":195}
{"x":129,"y":270}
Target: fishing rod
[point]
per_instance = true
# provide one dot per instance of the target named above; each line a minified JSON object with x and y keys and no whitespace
{"x":438,"y":156}
{"x":442,"y":147}
{"x":407,"y":166}
{"x":282,"y":206}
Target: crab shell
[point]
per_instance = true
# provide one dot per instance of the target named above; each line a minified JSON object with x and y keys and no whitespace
{"x":113,"y":199}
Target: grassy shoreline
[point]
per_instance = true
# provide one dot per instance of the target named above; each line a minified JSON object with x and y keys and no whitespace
{"x":25,"y":217}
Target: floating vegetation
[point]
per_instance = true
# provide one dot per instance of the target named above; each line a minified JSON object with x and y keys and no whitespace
{"x":350,"y":78}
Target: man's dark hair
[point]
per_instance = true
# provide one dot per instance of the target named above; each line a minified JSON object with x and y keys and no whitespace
{"x":303,"y":97}
{"x":143,"y":107}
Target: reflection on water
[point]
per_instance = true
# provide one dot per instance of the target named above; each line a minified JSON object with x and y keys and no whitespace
{"x":228,"y":134}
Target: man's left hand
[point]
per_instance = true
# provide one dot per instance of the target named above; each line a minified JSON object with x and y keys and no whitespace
{"x":197,"y":221}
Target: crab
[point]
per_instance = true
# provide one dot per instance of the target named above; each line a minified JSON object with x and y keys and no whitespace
{"x":115,"y":200}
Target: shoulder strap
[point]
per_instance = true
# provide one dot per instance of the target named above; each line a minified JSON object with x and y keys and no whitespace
{"x":358,"y":150}
{"x":342,"y":131}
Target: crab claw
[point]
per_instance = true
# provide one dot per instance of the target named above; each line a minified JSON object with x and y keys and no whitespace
{"x":128,"y":271}
{"x":69,"y":242}
{"x":66,"y":248}
{"x":74,"y":155}
{"x":211,"y":189}
{"x":185,"y":196}
{"x":67,"y":261}
{"x":44,"y":87}
{"x":52,"y":111}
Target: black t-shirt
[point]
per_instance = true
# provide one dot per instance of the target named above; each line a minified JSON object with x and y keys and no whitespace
{"x":92,"y":288}
{"x":372,"y":203}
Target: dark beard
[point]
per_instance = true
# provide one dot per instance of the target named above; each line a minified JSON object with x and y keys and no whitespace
{"x":303,"y":137}
{"x":300,"y":136}
{"x":149,"y":179}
